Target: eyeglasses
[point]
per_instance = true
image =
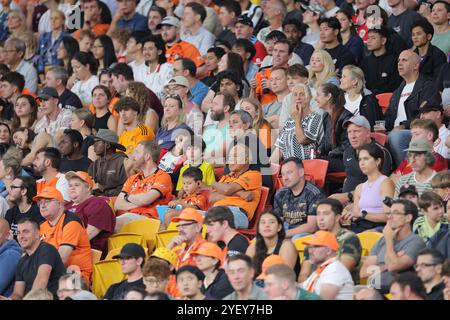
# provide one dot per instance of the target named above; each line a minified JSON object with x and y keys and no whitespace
{"x":16,"y":187}
{"x":153,"y":282}
{"x":423,"y":265}
{"x":185,"y":225}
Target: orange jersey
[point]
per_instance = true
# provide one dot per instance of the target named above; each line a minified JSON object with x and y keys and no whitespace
{"x":111,"y":109}
{"x":99,"y":29}
{"x":249,"y":181}
{"x":184,"y":255}
{"x":183,"y":49}
{"x":171,"y":288}
{"x":130,"y":139}
{"x":264,"y":98}
{"x":70,"y":231}
{"x":264,"y":135}
{"x":199,"y":200}
{"x":159,"y":181}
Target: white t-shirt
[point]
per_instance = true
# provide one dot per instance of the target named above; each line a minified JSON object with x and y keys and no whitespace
{"x":401,"y":113}
{"x":352,"y":106}
{"x":156,"y":80}
{"x":441,"y":148}
{"x":335,"y":274}
{"x":84,"y":89}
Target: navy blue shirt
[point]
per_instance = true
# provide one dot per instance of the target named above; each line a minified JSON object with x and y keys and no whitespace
{"x":137,"y":23}
{"x":166,"y":138}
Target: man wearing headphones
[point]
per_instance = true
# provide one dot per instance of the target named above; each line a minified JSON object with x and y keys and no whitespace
{"x":421,"y":160}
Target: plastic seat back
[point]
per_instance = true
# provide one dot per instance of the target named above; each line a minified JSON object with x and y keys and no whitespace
{"x":148,"y":228}
{"x":105,"y":273}
{"x":368,"y":239}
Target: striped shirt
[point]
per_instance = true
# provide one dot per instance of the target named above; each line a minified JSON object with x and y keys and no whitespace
{"x":410,"y":178}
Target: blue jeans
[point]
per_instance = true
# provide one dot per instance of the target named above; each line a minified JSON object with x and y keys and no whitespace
{"x":240,"y":218}
{"x":398,"y":143}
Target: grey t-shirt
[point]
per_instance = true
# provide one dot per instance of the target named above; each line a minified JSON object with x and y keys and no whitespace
{"x":411,"y":245}
{"x":256,"y":294}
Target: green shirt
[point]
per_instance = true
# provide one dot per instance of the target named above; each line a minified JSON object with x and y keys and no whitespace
{"x":423,"y":228}
{"x":442,"y":41}
{"x":302,"y":294}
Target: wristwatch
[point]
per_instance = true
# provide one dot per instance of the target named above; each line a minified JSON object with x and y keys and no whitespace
{"x":363,"y":214}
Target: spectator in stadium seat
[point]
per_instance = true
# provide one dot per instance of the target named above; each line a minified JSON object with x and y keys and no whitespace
{"x":331,"y":280}
{"x":93,"y":18}
{"x":295,"y":31}
{"x":280,"y":284}
{"x":271,"y":240}
{"x":208,"y":258}
{"x":429,"y":269}
{"x":397,"y":237}
{"x":402,"y":18}
{"x":46,"y":164}
{"x":57,"y":77}
{"x":406,"y":101}
{"x":4,"y":30}
{"x":131,"y":259}
{"x":121,"y":76}
{"x":407,"y":286}
{"x":15,"y":50}
{"x":70,"y":148}
{"x":279,"y":87}
{"x":126,"y":17}
{"x":436,"y":114}
{"x":367,"y":293}
{"x":154,"y":17}
{"x":311,"y":15}
{"x":221,"y":230}
{"x":12,"y":85}
{"x":189,"y":283}
{"x":41,"y":265}
{"x":156,"y":275}
{"x":433,"y":217}
{"x":431,"y":57}
{"x":65,"y":52}
{"x":94,"y":212}
{"x":330,"y":36}
{"x":274,"y":12}
{"x":64,"y":231}
{"x":10,"y":254}
{"x":244,"y":29}
{"x":189,"y":232}
{"x":240,"y":190}
{"x":85,"y":70}
{"x":329,"y":213}
{"x":377,"y":67}
{"x":108,"y":170}
{"x":228,"y":13}
{"x":350,"y":39}
{"x":439,"y":18}
{"x":295,"y":202}
{"x":72,"y":288}
{"x":23,"y":189}
{"x":421,"y":161}
{"x":246,"y":50}
{"x":241,"y":272}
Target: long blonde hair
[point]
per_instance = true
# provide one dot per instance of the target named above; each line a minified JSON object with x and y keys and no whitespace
{"x":328,"y":71}
{"x":259,"y":120}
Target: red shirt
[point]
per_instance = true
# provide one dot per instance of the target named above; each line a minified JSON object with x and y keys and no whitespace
{"x":440,"y":164}
{"x":261,"y":53}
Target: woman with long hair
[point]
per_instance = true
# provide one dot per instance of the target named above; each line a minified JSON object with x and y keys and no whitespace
{"x":350,"y":38}
{"x":67,"y":48}
{"x":271,"y":239}
{"x":358,"y":100}
{"x":85,"y":70}
{"x":103,"y":50}
{"x":302,"y":131}
{"x":334,"y":140}
{"x":16,"y":22}
{"x":321,"y":69}
{"x":10,"y":169}
{"x":260,"y":126}
{"x":83,"y":121}
{"x":369,"y":211}
{"x":25,"y":112}
{"x":101,"y":98}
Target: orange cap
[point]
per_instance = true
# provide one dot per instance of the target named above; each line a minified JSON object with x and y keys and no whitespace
{"x":209,"y":249}
{"x":80,"y":175}
{"x":323,"y":239}
{"x":49,"y":193}
{"x":271,"y":260}
{"x":189,"y":214}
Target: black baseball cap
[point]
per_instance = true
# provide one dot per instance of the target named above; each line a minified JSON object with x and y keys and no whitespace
{"x":245,"y":20}
{"x":48,"y":92}
{"x":431,"y":107}
{"x":408,"y":188}
{"x":131,"y":250}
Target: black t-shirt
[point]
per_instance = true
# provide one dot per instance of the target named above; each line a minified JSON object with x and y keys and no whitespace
{"x":13,"y":216}
{"x":237,"y":244}
{"x":219,"y":288}
{"x":437,"y":293}
{"x":70,"y":100}
{"x":341,"y":57}
{"x":29,"y":265}
{"x":118,"y":291}
{"x":74,"y":165}
{"x":102,"y":122}
{"x":87,"y":142}
{"x":402,"y":24}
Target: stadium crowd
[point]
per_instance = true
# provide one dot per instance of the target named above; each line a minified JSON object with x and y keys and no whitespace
{"x":224,"y":149}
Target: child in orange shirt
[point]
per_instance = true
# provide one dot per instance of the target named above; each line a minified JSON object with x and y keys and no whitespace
{"x":190,"y":196}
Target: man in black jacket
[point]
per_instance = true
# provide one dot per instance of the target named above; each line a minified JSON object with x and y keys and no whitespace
{"x":414,"y":92}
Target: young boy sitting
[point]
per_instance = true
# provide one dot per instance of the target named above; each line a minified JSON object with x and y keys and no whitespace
{"x":194,"y":155}
{"x":432,"y":219}
{"x":441,"y":185}
{"x":191,"y":195}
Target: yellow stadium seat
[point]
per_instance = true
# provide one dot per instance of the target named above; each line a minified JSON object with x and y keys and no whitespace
{"x":105,"y":273}
{"x":163,"y":238}
{"x":368,"y":239}
{"x":148,"y":228}
{"x":116,"y":251}
{"x":388,"y":296}
{"x":298,"y":243}
{"x":118,"y":240}
{"x":96,"y":255}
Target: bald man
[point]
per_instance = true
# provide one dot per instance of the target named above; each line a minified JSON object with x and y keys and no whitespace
{"x":10,"y":253}
{"x":414,"y":92}
{"x":368,"y":294}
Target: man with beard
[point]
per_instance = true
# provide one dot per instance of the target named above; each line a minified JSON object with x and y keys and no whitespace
{"x":217,"y":135}
{"x":146,"y":189}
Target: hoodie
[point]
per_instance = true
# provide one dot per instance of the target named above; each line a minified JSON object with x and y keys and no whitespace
{"x":10,"y":254}
{"x":110,"y":174}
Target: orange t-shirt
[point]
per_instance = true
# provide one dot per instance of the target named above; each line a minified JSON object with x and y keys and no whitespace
{"x":99,"y":29}
{"x":184,"y":49}
{"x":70,"y":231}
{"x":249,"y":181}
{"x":111,"y":109}
{"x":264,"y":135}
{"x":264,"y":98}
{"x":41,"y":183}
{"x":159,"y":181}
{"x":198,"y":200}
{"x":184,"y":255}
{"x":171,"y":288}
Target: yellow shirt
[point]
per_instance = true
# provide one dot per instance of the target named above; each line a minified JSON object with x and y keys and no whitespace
{"x":208,"y":174}
{"x":130,"y":139}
